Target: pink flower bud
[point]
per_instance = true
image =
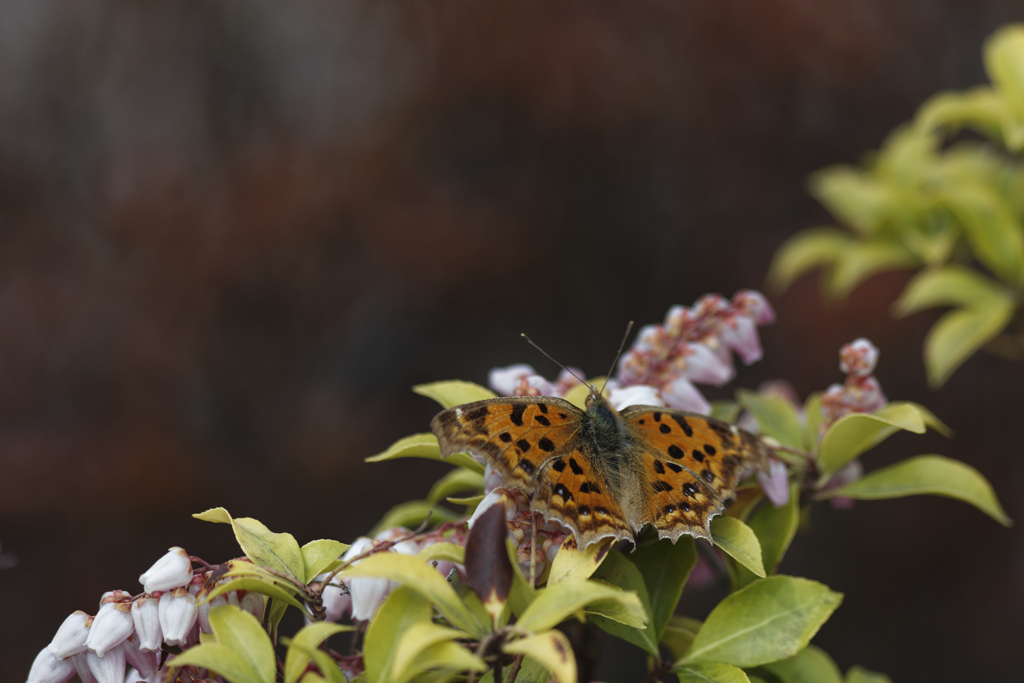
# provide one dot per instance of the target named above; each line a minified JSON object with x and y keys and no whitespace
{"x":173,"y":570}
{"x":775,"y":483}
{"x":108,"y":668}
{"x":636,"y":395}
{"x":754,"y":305}
{"x":534,"y":385}
{"x":146,"y":617}
{"x":681,"y":394}
{"x":739,"y":333}
{"x":702,"y":365}
{"x":71,"y":636}
{"x":858,"y":358}
{"x":146,"y":662}
{"x":113,"y":623}
{"x":48,"y":669}
{"x":567,"y":380}
{"x":505,"y":380}
{"x":178,"y":613}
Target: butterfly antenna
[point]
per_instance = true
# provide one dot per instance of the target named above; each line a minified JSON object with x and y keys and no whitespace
{"x":621,"y":347}
{"x":534,"y":345}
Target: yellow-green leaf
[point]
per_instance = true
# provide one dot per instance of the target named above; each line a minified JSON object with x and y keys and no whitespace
{"x":454,"y":392}
{"x":456,"y":481}
{"x":556,"y":603}
{"x":264,"y":547}
{"x":571,"y":564}
{"x":679,"y":635}
{"x":419,"y":637}
{"x":309,"y":638}
{"x":424,"y":446}
{"x":775,"y":529}
{"x":711,"y":672}
{"x":860,"y":260}
{"x":978,"y":108}
{"x":777,"y":417}
{"x":810,"y":665}
{"x":551,"y":650}
{"x":995,"y":234}
{"x":959,"y":333}
{"x":413,"y":513}
{"x":444,"y":656}
{"x":858,"y":674}
{"x":739,"y":542}
{"x":443,"y":552}
{"x":854,"y":434}
{"x":665,"y":566}
{"x":618,"y":571}
{"x":241,"y":651}
{"x":403,"y":609}
{"x":852,"y":196}
{"x":319,"y":555}
{"x":1004,"y":62}
{"x":805,"y":251}
{"x":948,"y":286}
{"x":272,"y":589}
{"x":927,"y":474}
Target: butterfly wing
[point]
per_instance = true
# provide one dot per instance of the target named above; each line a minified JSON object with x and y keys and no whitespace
{"x":539,"y":445}
{"x":689,"y":466}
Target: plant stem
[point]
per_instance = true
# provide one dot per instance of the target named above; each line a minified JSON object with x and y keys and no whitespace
{"x":514,"y":671}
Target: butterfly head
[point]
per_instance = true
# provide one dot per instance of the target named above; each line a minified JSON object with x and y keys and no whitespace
{"x":606,"y":418}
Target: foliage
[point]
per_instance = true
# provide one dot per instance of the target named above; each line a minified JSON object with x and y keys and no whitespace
{"x":952,"y":211}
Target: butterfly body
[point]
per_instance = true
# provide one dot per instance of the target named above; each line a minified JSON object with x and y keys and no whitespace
{"x":604,"y":473}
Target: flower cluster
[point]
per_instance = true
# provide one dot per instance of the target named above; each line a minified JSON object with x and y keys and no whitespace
{"x":548,"y":536}
{"x":666,"y":362}
{"x":132,"y":630}
{"x":861,"y":392}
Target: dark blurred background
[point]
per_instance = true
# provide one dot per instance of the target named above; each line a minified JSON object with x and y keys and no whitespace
{"x":233,"y":235}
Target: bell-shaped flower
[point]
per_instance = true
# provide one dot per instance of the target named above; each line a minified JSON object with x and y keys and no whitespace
{"x":204,"y":611}
{"x":146,"y":663}
{"x":775,"y":483}
{"x":113,"y":623}
{"x":337,"y":602}
{"x":146,"y":617}
{"x":81,"y":662}
{"x":134,"y":676}
{"x":681,"y":394}
{"x":108,"y":668}
{"x":739,"y":333}
{"x":253,"y":603}
{"x":754,"y":305}
{"x":367,"y":591}
{"x":178,"y":614}
{"x":636,"y":395}
{"x":173,"y":570}
{"x":48,"y":669}
{"x":858,"y":358}
{"x":504,"y":381}
{"x":567,"y":379}
{"x":700,"y":364}
{"x":71,"y":636}
{"x":534,"y":385}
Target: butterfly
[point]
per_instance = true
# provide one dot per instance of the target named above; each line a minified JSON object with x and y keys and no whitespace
{"x":602,"y":473}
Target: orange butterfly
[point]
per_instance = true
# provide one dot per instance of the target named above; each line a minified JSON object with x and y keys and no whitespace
{"x":603,"y":473}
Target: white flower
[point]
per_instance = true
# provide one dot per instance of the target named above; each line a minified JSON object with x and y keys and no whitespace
{"x":492,"y":478}
{"x":81,"y":662}
{"x":48,"y":669}
{"x":681,"y":394}
{"x":858,"y":358}
{"x":703,"y":366}
{"x":147,"y":663}
{"x":505,"y":380}
{"x":534,"y":385}
{"x":146,"y":617}
{"x":204,"y":612}
{"x":367,"y":591}
{"x":173,"y":570}
{"x":636,"y":395}
{"x":178,"y":613}
{"x":253,"y":603}
{"x":754,"y":305}
{"x":337,"y":602}
{"x":108,"y":668}
{"x":739,"y":333}
{"x":113,"y":623}
{"x":71,"y":636}
{"x":775,"y":483}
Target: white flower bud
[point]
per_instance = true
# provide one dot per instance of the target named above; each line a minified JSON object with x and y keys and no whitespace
{"x":637,"y":395}
{"x":71,"y":636}
{"x":367,"y":592}
{"x":204,"y":611}
{"x":173,"y":570}
{"x":146,"y":663}
{"x":48,"y":669}
{"x":178,"y":613}
{"x":253,"y":603}
{"x":113,"y":623}
{"x":337,"y":603}
{"x":108,"y":668}
{"x":81,"y":662}
{"x":146,"y":617}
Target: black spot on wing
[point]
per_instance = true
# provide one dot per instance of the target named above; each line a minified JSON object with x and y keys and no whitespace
{"x":657,"y":417}
{"x":543,"y":408}
{"x":658,"y":467}
{"x":661,"y":486}
{"x":574,"y":466}
{"x":558,"y":465}
{"x":674,"y":467}
{"x":689,"y":489}
{"x":709,"y":449}
{"x":523,"y":445}
{"x":707,"y":475}
{"x":676,"y":452}
{"x":546,"y":445}
{"x":542,"y":420}
{"x":517,"y":414}
{"x":562,"y":491}
{"x":506,"y":437}
{"x":526,"y":466}
{"x":683,"y":424}
{"x":664,"y":429}
{"x":698,"y":456}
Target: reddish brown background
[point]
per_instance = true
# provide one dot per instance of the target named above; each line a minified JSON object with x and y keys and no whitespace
{"x":233,"y":235}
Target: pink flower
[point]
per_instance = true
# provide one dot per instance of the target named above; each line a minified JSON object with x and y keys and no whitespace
{"x":534,"y":385}
{"x":145,"y":662}
{"x":681,"y":394}
{"x":775,"y":483}
{"x":700,"y":364}
{"x":636,"y":395}
{"x":753,"y":305}
{"x":48,"y":669}
{"x":847,"y":475}
{"x":204,"y":612}
{"x":858,"y":358}
{"x":505,"y":380}
{"x":337,"y":602}
{"x":567,"y":380}
{"x":739,"y":333}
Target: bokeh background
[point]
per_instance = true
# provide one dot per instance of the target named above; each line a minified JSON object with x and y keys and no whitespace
{"x":233,"y":235}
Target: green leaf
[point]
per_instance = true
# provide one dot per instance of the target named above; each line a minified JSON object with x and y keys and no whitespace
{"x":739,"y":542}
{"x":994,"y":233}
{"x":805,"y":251}
{"x":280,"y":552}
{"x":768,"y":620}
{"x":420,"y":576}
{"x":959,"y":333}
{"x":522,"y":593}
{"x":858,"y":674}
{"x":556,"y":603}
{"x":456,"y":481}
{"x":620,"y":572}
{"x":454,"y":392}
{"x":1004,"y":62}
{"x":948,"y":286}
{"x":272,"y":589}
{"x":241,"y":651}
{"x":309,"y":638}
{"x":810,"y":665}
{"x":443,"y":552}
{"x":861,"y":260}
{"x":853,"y":196}
{"x":321,"y":659}
{"x":572,"y":565}
{"x":927,"y":474}
{"x":275,"y":613}
{"x":979,"y":108}
{"x":856,"y":433}
{"x":711,"y":672}
{"x":419,"y":637}
{"x":679,"y":635}
{"x":665,"y":567}
{"x":776,"y":416}
{"x":424,"y":446}
{"x":775,"y":529}
{"x":412,"y":514}
{"x":551,"y":650}
{"x":319,"y":555}
{"x":403,"y":609}
{"x":445,"y":656}
{"x":814,"y":417}
{"x":725,"y":411}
